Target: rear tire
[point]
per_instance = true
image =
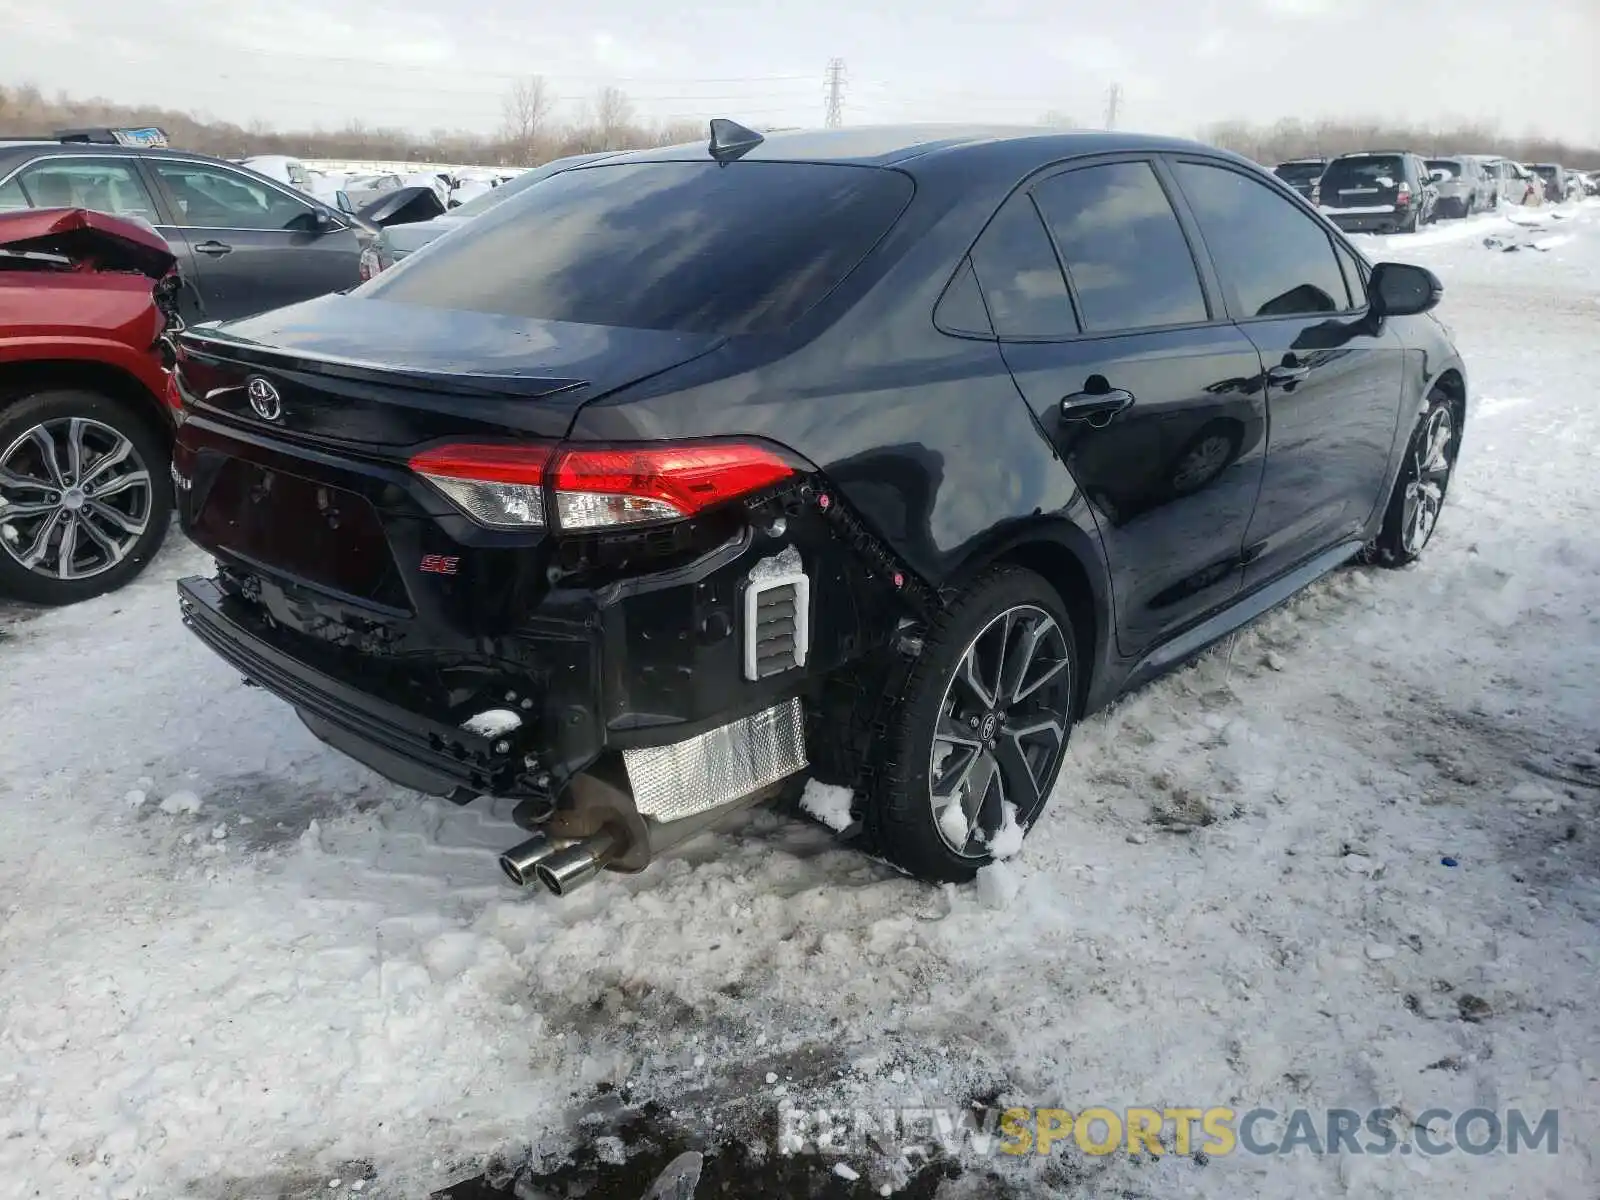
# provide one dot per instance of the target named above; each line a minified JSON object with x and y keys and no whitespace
{"x":63,"y":540}
{"x":976,"y":741}
{"x":1419,"y":492}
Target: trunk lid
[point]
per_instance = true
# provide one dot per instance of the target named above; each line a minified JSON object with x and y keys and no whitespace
{"x":375,"y":375}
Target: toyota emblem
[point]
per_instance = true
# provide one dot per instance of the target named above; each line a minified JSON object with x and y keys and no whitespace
{"x":264,"y":399}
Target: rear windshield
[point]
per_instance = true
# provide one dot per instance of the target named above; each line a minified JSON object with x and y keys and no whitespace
{"x":1547,"y":172}
{"x":1377,"y":171}
{"x":686,"y":246}
{"x":1298,"y":172}
{"x":1448,"y":165}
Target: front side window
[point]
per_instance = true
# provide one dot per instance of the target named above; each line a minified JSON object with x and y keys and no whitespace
{"x":12,"y":197}
{"x":1125,"y":253}
{"x":1020,"y":276}
{"x":208,"y":197}
{"x":694,"y":247}
{"x":102,"y":184}
{"x":1277,"y":260}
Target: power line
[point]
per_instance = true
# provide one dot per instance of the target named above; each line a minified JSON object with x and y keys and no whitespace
{"x":833,"y":112}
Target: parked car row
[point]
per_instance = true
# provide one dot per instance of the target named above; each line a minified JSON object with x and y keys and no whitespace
{"x":1398,"y":191}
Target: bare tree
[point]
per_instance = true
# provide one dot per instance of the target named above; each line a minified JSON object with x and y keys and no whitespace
{"x":527,"y":114}
{"x":613,"y":114}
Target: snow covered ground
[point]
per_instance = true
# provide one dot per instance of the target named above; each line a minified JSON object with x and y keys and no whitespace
{"x":233,"y":964}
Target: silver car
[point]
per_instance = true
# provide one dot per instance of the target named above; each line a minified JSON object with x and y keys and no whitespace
{"x":1464,"y":187}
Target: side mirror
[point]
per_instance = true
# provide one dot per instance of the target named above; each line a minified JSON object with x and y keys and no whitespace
{"x":1403,"y":290}
{"x":346,"y":205}
{"x":323,"y":221}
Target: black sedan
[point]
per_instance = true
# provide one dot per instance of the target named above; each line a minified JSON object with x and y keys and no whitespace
{"x":886,"y":454}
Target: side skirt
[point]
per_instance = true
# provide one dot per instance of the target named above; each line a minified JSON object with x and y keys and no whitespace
{"x":1241,"y":612}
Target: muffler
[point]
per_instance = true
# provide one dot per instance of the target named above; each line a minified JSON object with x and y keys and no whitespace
{"x":573,"y":866}
{"x":519,"y":862}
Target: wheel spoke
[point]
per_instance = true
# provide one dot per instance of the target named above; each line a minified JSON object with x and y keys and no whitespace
{"x":105,"y":462}
{"x":953,"y":777}
{"x":11,"y":511}
{"x":119,"y":484}
{"x":16,"y":480}
{"x":114,"y":549}
{"x":1050,"y":671}
{"x":40,"y":546}
{"x":956,"y":732}
{"x":46,"y":445}
{"x":984,"y":802}
{"x":1019,"y":777}
{"x":969,"y":677}
{"x":1018,"y":657}
{"x":67,"y":549}
{"x":122,"y":521}
{"x":75,"y":450}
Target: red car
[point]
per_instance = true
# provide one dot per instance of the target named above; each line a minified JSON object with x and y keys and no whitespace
{"x":86,"y":302}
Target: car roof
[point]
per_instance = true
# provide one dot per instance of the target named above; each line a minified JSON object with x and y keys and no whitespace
{"x":898,"y":145}
{"x":88,"y":149}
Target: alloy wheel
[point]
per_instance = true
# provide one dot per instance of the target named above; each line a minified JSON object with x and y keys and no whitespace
{"x":1430,"y":475}
{"x":1001,"y":729}
{"x":75,"y":497}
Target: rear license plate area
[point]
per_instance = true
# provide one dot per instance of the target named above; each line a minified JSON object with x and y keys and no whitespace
{"x":320,"y":534}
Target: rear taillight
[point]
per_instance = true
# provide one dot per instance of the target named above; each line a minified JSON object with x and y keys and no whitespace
{"x":602,"y":487}
{"x":369,"y":264}
{"x":1402,"y":194}
{"x":1316,"y":191}
{"x":498,"y":486}
{"x":174,"y":397}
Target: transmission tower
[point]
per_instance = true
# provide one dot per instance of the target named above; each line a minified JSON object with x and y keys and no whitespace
{"x":833,"y":112}
{"x":1113,"y":102}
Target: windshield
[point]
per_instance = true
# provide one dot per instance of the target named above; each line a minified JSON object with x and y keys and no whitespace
{"x":695,"y":247}
{"x":1299,"y":172}
{"x":1449,"y":166}
{"x":514,"y":187}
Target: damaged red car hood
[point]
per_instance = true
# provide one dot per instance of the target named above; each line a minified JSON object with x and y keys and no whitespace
{"x":88,"y":238}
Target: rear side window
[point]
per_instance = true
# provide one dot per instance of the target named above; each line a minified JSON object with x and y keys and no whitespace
{"x":102,"y":184}
{"x":1125,"y":253}
{"x":1020,"y":276}
{"x":1298,"y":172}
{"x":1275,"y":258}
{"x":686,"y":246}
{"x":1449,"y":166}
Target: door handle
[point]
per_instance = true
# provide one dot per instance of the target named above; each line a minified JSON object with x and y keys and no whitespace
{"x":1283,"y":375}
{"x":214,"y":248}
{"x":1097,"y":408}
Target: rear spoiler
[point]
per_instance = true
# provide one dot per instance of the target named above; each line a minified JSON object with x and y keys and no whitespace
{"x":215,"y":346}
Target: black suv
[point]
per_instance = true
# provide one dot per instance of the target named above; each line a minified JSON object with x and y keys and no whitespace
{"x":1302,"y":175}
{"x":244,"y":242}
{"x":886,"y":453}
{"x":1387,"y":192}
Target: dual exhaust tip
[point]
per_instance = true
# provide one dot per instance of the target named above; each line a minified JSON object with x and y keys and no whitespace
{"x":562,"y":869}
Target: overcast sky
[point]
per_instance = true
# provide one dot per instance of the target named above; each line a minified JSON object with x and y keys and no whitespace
{"x":1525,"y":65}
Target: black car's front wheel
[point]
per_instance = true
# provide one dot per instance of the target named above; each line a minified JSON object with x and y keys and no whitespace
{"x":977,"y":739}
{"x":1419,"y":492}
{"x":84,"y":495}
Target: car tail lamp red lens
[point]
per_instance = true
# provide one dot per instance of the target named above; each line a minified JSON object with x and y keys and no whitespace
{"x":600,"y":487}
{"x":1403,"y":194}
{"x":498,"y":486}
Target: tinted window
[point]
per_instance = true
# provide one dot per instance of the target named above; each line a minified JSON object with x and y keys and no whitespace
{"x":1298,"y":172}
{"x":1020,"y":276}
{"x":1355,"y":274}
{"x":1449,"y":166}
{"x":961,"y":308}
{"x":1275,"y":258}
{"x":1125,"y":253}
{"x":686,"y":246}
{"x":104,"y":185}
{"x":1366,"y":173}
{"x":213,"y":198}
